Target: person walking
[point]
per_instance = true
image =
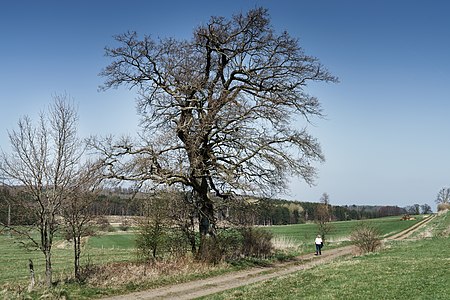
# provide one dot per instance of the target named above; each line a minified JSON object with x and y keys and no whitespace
{"x":319,"y":245}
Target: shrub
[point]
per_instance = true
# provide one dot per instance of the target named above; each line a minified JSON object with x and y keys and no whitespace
{"x":257,"y":242}
{"x":233,"y":244}
{"x":67,"y":233}
{"x":230,"y":242}
{"x":125,"y":225}
{"x":176,"y":243}
{"x":443,"y":206}
{"x":210,"y":251}
{"x":104,"y":224}
{"x":226,"y":245}
{"x":150,"y":239}
{"x":366,"y":237}
{"x":157,"y":240}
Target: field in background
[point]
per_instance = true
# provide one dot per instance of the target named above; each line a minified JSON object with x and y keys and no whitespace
{"x":302,"y":235}
{"x":119,"y":246}
{"x":417,"y":268}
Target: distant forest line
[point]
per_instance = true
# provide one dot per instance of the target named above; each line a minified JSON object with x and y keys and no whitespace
{"x":251,"y":211}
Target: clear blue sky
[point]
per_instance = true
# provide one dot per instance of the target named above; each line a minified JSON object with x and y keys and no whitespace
{"x":386,"y":135}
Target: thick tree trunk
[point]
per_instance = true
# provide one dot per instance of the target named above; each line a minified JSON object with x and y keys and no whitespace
{"x":207,"y":218}
{"x":207,"y":223}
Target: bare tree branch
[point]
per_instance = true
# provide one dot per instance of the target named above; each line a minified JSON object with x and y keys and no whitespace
{"x":44,"y":163}
{"x":217,"y":110}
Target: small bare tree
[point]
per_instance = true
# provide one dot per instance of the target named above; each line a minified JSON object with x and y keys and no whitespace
{"x":44,"y":161}
{"x":366,"y":237}
{"x":152,"y":228}
{"x":324,"y":215}
{"x":443,"y":196}
{"x":217,"y":110}
{"x":443,"y":199}
{"x":77,"y":209}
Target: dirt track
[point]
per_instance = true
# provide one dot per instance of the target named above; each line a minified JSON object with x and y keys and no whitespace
{"x":204,"y":287}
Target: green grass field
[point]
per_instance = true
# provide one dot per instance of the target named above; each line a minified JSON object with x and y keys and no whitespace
{"x":100,"y":249}
{"x":115,"y":241}
{"x":307,"y":232}
{"x":413,"y":269}
{"x":303,"y":235}
{"x":119,"y":246}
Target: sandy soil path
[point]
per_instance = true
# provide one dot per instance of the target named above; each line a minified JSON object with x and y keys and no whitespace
{"x":204,"y":287}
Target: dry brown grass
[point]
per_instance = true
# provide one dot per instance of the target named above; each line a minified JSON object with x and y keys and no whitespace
{"x":284,"y":244}
{"x":122,"y":273}
{"x":443,"y":208}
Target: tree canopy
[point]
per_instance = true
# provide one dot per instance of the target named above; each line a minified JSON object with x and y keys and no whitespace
{"x":217,"y":110}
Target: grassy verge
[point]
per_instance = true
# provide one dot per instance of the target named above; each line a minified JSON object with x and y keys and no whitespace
{"x":118,"y":248}
{"x":414,"y":269}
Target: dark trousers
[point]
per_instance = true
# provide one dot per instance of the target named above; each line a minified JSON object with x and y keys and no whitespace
{"x":318,"y":249}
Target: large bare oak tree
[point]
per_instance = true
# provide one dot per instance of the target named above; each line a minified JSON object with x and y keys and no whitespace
{"x":218,"y":110}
